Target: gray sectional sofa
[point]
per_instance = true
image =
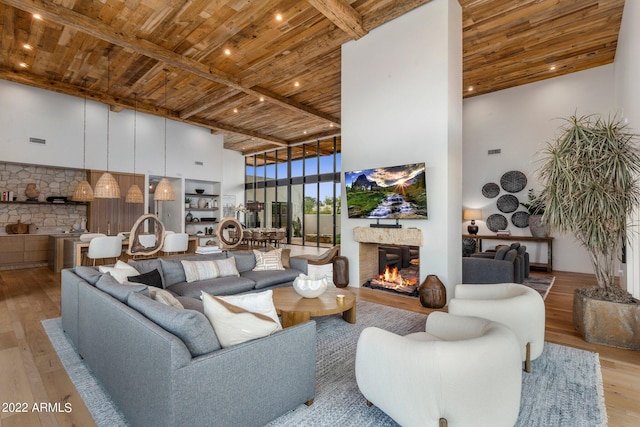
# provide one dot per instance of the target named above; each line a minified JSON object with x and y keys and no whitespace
{"x":163,"y":366}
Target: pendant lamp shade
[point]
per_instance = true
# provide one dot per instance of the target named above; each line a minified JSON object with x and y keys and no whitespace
{"x":83,"y":191}
{"x":107,"y":187}
{"x":134,"y":195}
{"x":164,"y":191}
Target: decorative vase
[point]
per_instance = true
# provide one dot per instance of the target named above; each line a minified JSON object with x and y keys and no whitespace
{"x":341,"y":271}
{"x":432,"y":292}
{"x":538,"y":227}
{"x":202,"y":203}
{"x":310,"y":286}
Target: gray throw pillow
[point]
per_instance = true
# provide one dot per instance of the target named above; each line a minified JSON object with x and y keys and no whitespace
{"x":511,"y":255}
{"x":245,"y":260}
{"x":501,"y":252}
{"x":192,"y":327}
{"x":173,"y":271}
{"x":108,"y":284}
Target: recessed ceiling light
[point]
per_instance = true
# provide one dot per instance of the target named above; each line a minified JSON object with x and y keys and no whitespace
{"x":262,"y":99}
{"x":235,"y":110}
{"x":278,"y":17}
{"x":470,"y":88}
{"x":297,"y":84}
{"x":37,"y":16}
{"x":330,"y":125}
{"x":227,"y":51}
{"x":27,"y":46}
{"x":552,"y":68}
{"x":23,"y":65}
{"x":305,"y":132}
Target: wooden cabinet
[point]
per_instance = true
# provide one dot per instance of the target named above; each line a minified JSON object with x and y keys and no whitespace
{"x":23,"y":249}
{"x":110,"y":216}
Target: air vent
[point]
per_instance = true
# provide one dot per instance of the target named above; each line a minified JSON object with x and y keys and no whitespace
{"x":494,"y":151}
{"x":199,"y":163}
{"x":38,"y":140}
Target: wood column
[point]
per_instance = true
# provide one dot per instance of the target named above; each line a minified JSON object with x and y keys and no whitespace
{"x":114,"y":214}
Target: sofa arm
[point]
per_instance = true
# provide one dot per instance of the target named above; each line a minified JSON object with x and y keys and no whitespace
{"x":481,"y":270}
{"x":248,"y":384}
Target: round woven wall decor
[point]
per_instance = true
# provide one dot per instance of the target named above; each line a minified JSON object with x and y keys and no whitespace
{"x":513,"y":181}
{"x":520,"y":219}
{"x":490,"y":190}
{"x":507,"y":203}
{"x":497,"y":222}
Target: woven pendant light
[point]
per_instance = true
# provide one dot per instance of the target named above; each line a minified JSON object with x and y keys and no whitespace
{"x":164,"y":190}
{"x":134,"y":195}
{"x":107,"y":187}
{"x":83,"y":191}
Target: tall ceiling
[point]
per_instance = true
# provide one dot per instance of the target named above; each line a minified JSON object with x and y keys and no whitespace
{"x":266,"y":74}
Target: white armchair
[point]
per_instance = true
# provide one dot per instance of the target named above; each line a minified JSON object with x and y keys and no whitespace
{"x":517,"y":306}
{"x":462,"y":370}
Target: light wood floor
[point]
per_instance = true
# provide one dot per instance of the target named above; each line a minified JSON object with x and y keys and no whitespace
{"x":31,"y":372}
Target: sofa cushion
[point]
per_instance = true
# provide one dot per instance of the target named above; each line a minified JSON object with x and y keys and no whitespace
{"x":286,"y":255}
{"x":152,"y":278}
{"x":192,"y":327}
{"x":245,"y":260}
{"x":191,"y":303}
{"x":511,"y":255}
{"x":120,"y":271}
{"x":264,"y":279}
{"x":218,"y":286}
{"x":147,"y":265}
{"x":501,"y":251}
{"x":90,"y":274}
{"x":121,"y":292}
{"x":268,"y":261}
{"x":234,"y":325}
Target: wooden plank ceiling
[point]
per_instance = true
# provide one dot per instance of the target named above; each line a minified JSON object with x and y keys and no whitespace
{"x":266,"y":74}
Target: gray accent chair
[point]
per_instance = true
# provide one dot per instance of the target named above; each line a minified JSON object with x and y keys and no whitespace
{"x":502,"y":266}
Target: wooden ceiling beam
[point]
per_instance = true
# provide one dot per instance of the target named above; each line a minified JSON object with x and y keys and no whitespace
{"x":342,"y":15}
{"x":68,"y":17}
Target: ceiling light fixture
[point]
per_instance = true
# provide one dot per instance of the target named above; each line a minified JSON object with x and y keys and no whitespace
{"x":278,"y":17}
{"x":297,"y":84}
{"x":134,"y":195}
{"x":27,"y":46}
{"x":227,"y":52}
{"x":470,"y":88}
{"x":552,"y":68}
{"x":235,"y":110}
{"x":23,"y":65}
{"x":164,"y":190}
{"x":37,"y":16}
{"x":107,"y":187}
{"x":83,"y":191}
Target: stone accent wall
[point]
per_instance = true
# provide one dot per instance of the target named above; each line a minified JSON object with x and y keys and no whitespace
{"x":51,"y":182}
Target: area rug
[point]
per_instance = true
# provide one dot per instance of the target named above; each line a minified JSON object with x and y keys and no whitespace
{"x":564,"y":388}
{"x":540,"y":282}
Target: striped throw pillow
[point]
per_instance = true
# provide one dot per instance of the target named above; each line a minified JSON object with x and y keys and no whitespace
{"x":200,"y":270}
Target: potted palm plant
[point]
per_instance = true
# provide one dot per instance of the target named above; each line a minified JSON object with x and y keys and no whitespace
{"x":590,"y":187}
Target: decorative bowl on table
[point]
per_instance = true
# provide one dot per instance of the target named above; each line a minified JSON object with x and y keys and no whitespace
{"x":310,"y":286}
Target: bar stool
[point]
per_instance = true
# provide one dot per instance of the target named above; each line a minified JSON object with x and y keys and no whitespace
{"x":104,"y":248}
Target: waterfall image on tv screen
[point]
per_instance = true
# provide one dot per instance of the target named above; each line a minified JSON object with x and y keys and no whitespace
{"x":397,"y":192}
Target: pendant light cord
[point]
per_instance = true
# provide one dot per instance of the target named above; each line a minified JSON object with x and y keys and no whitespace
{"x":84,"y":127}
{"x":108,"y":104}
{"x":135,"y":117}
{"x":165,"y":121}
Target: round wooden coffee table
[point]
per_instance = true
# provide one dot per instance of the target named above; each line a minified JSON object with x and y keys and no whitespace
{"x":295,"y":309}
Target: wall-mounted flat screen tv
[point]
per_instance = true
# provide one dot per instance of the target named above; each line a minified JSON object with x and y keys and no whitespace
{"x":397,"y":192}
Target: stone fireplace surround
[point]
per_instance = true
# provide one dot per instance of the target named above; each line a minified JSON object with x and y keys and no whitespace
{"x":369,"y":238}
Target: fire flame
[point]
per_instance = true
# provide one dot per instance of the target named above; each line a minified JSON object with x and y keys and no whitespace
{"x":391,"y":275}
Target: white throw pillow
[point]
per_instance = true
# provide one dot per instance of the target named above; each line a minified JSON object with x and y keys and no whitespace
{"x":120,"y":271}
{"x":271,"y":260}
{"x":164,"y":297}
{"x":259,"y":302}
{"x":227,"y":267}
{"x":234,"y":325}
{"x":200,"y":270}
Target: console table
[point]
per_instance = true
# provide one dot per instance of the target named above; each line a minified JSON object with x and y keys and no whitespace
{"x":548,"y":240}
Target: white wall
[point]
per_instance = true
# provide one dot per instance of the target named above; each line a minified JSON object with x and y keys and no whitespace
{"x":520,"y":121}
{"x":30,"y":112}
{"x":401,"y":103}
{"x":627,"y":70}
